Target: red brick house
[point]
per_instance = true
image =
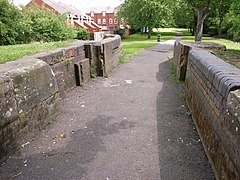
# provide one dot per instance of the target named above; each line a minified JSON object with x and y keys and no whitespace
{"x":74,"y":16}
{"x":105,"y":17}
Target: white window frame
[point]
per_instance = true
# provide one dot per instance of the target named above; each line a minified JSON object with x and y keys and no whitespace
{"x":99,"y":21}
{"x":104,"y":21}
{"x":92,"y":13}
{"x":110,"y":20}
{"x":115,"y":21}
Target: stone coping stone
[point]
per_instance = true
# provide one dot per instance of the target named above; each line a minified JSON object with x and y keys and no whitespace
{"x":223,"y":76}
{"x":206,"y":45}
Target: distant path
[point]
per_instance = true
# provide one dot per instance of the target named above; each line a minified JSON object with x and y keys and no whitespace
{"x":130,"y":126}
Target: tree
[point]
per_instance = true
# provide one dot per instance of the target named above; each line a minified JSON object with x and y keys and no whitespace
{"x":9,"y":22}
{"x":202,"y":8}
{"x":223,"y":8}
{"x":232,"y":21}
{"x":145,"y":13}
{"x":45,"y":25}
{"x":183,"y":14}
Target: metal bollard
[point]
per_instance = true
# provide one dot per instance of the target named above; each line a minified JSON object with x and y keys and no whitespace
{"x":158,"y":37}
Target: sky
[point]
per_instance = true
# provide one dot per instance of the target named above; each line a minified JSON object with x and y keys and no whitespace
{"x":82,"y":5}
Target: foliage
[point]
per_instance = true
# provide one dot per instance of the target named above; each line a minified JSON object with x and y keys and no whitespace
{"x":9,"y":22}
{"x":45,"y":25}
{"x":120,"y":31}
{"x":34,"y":24}
{"x":146,"y":13}
{"x":82,"y":34}
{"x":203,"y":9}
{"x":14,"y":52}
{"x":183,"y":14}
{"x":232,"y":21}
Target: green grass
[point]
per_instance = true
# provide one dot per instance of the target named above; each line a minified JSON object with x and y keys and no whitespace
{"x":14,"y":52}
{"x":133,"y":44}
{"x":231,"y":55}
{"x":230,"y":45}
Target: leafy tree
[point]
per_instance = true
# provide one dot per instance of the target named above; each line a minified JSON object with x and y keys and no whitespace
{"x":223,"y":8}
{"x":183,"y":14}
{"x":146,"y":13}
{"x":45,"y":25}
{"x":9,"y":22}
{"x":232,"y":21}
{"x":202,"y":8}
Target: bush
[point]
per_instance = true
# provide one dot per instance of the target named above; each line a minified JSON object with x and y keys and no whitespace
{"x":82,"y":34}
{"x":232,"y":22}
{"x":9,"y":23}
{"x":45,"y":25}
{"x":120,"y":31}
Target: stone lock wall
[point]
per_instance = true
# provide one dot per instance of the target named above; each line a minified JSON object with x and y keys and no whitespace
{"x":104,"y":55}
{"x":110,"y":53}
{"x":28,"y":98}
{"x":213,"y":97}
{"x":31,"y":88}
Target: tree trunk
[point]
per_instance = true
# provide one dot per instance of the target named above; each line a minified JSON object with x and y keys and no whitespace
{"x":220,"y":27}
{"x":201,"y":15}
{"x":142,"y":30}
{"x":149,"y":32}
{"x":221,"y":14}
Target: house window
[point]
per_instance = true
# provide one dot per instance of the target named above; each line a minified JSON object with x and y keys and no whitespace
{"x":92,"y":14}
{"x":115,"y":21}
{"x":103,"y":13}
{"x":110,"y":21}
{"x":99,"y":21}
{"x":104,"y":21}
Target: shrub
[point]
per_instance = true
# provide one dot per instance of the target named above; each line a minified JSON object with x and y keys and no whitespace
{"x":120,"y":31}
{"x":82,"y":34}
{"x":45,"y":25}
{"x":9,"y":22}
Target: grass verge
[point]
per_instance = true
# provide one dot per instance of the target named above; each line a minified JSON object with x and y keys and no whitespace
{"x":14,"y":52}
{"x":231,"y":55}
{"x":133,"y":44}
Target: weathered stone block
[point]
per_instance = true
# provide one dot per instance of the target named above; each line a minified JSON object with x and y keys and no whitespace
{"x":30,"y":83}
{"x":8,"y":104}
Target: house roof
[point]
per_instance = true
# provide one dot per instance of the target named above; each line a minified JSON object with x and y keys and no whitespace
{"x":63,"y":8}
{"x":107,"y":9}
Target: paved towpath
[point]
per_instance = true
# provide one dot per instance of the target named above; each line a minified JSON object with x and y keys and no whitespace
{"x":129,"y":126}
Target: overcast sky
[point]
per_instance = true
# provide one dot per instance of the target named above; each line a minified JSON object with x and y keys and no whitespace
{"x":82,"y":5}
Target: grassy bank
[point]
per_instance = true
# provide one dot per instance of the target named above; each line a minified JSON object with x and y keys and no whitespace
{"x":231,"y":55}
{"x":228,"y":43}
{"x":133,"y":44}
{"x":13,"y":52}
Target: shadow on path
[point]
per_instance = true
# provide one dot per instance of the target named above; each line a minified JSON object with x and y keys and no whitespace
{"x":68,"y":162}
{"x":181,"y":155}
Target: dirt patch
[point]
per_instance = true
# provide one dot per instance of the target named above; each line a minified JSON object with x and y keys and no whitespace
{"x":229,"y":57}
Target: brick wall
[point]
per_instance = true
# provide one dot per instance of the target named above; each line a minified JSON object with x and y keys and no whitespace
{"x":31,"y":88}
{"x":213,"y":98}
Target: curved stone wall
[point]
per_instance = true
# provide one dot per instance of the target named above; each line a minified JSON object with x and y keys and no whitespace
{"x":31,"y":88}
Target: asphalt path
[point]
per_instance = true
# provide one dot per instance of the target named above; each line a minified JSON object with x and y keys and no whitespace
{"x":133,"y":125}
